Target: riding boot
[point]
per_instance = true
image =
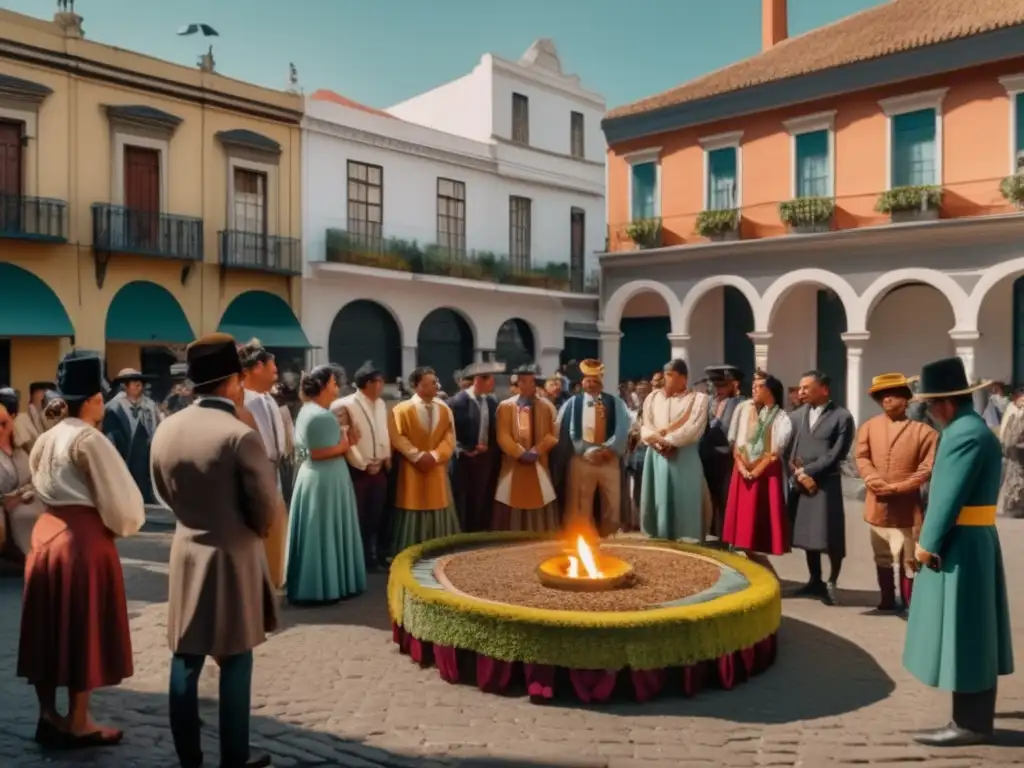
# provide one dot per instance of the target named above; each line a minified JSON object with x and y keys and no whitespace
{"x":887,"y":587}
{"x":974,"y":716}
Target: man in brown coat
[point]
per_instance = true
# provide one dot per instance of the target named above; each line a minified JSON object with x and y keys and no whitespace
{"x":894,"y":457}
{"x":212,"y":471}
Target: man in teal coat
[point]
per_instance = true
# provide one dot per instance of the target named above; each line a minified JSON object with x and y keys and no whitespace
{"x":958,"y":632}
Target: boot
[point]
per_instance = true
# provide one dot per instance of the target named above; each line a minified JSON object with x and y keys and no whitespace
{"x":906,"y":588}
{"x":974,"y":716}
{"x":887,"y":588}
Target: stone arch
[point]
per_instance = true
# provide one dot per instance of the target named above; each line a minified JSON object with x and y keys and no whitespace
{"x":777,"y":292}
{"x":363,"y":330}
{"x":989,"y":279}
{"x":516,"y":343}
{"x":708,"y":284}
{"x":617,"y":302}
{"x":445,"y":341}
{"x":884,"y":284}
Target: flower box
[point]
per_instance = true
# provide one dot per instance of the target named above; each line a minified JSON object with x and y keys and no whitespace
{"x":808,"y":215}
{"x":719,"y":226}
{"x":906,"y":204}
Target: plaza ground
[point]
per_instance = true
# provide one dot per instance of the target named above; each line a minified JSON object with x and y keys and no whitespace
{"x":332,"y":690}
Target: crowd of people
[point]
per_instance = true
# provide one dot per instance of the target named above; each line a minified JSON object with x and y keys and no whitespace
{"x":271,"y":496}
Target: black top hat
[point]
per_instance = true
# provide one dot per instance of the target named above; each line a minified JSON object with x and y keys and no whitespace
{"x":36,"y":386}
{"x":212,"y":358}
{"x":79,"y":378}
{"x":946,"y":378}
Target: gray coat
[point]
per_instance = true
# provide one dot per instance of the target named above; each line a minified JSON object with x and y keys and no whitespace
{"x":819,"y":523}
{"x":212,"y":471}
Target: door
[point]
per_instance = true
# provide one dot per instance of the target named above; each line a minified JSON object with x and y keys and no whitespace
{"x":577,"y":245}
{"x":10,"y":177}
{"x":250,"y":246}
{"x":141,"y":198}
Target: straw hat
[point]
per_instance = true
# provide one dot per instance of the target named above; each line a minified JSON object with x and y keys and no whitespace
{"x":888,"y":381}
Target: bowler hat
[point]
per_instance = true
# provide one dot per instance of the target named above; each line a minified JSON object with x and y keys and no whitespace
{"x":79,"y":378}
{"x":212,"y":358}
{"x":946,"y":378}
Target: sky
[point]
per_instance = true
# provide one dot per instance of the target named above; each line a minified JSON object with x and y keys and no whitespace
{"x":380,"y":52}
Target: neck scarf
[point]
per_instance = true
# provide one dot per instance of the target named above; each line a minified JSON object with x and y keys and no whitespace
{"x":755,"y":444}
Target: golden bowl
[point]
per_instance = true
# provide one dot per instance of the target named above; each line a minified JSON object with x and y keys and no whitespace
{"x":616,"y":574}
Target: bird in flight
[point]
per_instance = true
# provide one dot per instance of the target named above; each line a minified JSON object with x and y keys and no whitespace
{"x":193,"y":29}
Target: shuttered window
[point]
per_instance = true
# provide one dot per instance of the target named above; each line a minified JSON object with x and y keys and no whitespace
{"x":722,"y":179}
{"x":914,"y":151}
{"x":813,"y":165}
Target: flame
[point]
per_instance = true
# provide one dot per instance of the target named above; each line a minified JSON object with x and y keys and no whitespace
{"x":585,"y":557}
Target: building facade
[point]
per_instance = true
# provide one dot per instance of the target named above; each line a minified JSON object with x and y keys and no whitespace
{"x":461,"y":225}
{"x":141,"y":204}
{"x":846,"y":200}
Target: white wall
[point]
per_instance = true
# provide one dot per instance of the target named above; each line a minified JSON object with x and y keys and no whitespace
{"x":461,"y":107}
{"x":994,"y":356}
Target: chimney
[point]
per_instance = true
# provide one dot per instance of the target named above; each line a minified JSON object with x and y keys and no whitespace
{"x":774,"y":27}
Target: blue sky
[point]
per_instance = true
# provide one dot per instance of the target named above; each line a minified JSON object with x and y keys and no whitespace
{"x":380,"y":52}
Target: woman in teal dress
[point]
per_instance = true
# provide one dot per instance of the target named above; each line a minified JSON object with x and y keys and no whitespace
{"x":325,"y":550}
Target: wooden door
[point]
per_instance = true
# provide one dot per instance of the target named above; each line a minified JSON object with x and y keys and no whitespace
{"x":142,"y":197}
{"x":10,"y":176}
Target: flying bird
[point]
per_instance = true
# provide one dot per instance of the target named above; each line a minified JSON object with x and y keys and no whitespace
{"x":193,"y":29}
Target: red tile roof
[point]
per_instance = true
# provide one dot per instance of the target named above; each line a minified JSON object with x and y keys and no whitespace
{"x":325,"y":95}
{"x":890,"y":28}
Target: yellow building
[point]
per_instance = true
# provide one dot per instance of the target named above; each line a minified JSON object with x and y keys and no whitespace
{"x":142,"y":203}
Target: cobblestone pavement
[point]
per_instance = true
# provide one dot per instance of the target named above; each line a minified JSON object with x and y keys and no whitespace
{"x":331,"y":690}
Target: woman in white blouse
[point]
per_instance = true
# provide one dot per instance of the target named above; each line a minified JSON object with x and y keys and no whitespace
{"x":74,"y":618}
{"x":755,"y":515}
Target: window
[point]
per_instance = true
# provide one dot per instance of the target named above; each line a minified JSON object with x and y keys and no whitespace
{"x":576,"y":144}
{"x":250,"y":201}
{"x":519,"y":226}
{"x":1018,"y":133}
{"x":366,"y":203}
{"x":813,"y":164}
{"x":915,"y":138}
{"x":577,"y":248}
{"x":645,"y":182}
{"x":451,"y":216}
{"x":10,"y":158}
{"x":722,"y":179}
{"x":520,"y":119}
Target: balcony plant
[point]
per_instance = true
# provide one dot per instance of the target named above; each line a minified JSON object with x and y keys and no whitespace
{"x":804,"y":215}
{"x":719,"y":225}
{"x":917,"y":203}
{"x":1012,"y":189}
{"x":646,"y":233}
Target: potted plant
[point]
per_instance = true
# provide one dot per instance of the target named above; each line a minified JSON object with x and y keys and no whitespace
{"x":1012,"y":189}
{"x":805,"y":215}
{"x":903,"y":204}
{"x":719,"y":225}
{"x":646,"y":233}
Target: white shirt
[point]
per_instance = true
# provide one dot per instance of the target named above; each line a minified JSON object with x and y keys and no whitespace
{"x":662,"y":411}
{"x":815,"y":414}
{"x":370,"y":418}
{"x":265,"y":411}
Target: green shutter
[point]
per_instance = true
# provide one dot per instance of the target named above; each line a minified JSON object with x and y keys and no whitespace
{"x":1018,"y":105}
{"x":644,"y":183}
{"x":913,"y":149}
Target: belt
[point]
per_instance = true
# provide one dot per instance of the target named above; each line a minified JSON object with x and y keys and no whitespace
{"x":977,"y":516}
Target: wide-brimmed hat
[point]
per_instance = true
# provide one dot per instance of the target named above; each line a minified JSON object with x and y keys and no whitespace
{"x":886,"y":382}
{"x":126,"y":375}
{"x":723,"y":373}
{"x":946,"y":378}
{"x":485,"y":368}
{"x":591,"y":367}
{"x":212,"y":358}
{"x":79,"y":378}
{"x":527,"y":369}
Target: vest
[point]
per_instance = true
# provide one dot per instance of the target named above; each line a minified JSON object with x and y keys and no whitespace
{"x":578,"y":406}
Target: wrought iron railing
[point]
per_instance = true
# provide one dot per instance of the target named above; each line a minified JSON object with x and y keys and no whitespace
{"x":33,"y":218}
{"x":266,"y":253}
{"x":409,"y":256}
{"x":118,"y":229}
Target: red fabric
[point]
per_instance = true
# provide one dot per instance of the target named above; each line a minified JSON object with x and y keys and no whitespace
{"x":74,"y":615}
{"x":755,"y":514}
{"x":590,"y":686}
{"x":906,"y":589}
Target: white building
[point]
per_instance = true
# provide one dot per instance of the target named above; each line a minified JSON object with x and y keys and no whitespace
{"x":459,"y":225}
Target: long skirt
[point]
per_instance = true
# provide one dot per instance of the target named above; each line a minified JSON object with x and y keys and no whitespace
{"x":325,"y":548}
{"x":674,"y":500}
{"x":414,"y":526}
{"x":755,"y":515}
{"x":540,"y":520}
{"x":74,"y":616}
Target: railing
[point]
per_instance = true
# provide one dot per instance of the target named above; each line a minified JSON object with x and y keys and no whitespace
{"x":33,"y":218}
{"x":255,"y":250}
{"x":117,"y":229}
{"x":409,"y":256}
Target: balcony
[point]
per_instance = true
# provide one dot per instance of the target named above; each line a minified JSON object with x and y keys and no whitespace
{"x":408,"y":256}
{"x":41,"y":219}
{"x":263,"y":253}
{"x":117,"y":229}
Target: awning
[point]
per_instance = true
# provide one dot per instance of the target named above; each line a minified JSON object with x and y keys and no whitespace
{"x":29,"y":307}
{"x":264,"y":316}
{"x":144,"y":312}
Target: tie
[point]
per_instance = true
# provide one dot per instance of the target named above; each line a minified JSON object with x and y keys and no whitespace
{"x":430,"y":418}
{"x":482,"y":437}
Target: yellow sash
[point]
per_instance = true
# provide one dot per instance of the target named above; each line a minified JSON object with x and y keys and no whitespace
{"x":977,"y":516}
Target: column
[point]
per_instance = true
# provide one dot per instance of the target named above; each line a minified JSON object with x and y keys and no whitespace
{"x":855,"y":343}
{"x":548,"y":360}
{"x":964,"y":342}
{"x":761,"y":340}
{"x":408,"y":362}
{"x":680,"y":346}
{"x":609,"y":342}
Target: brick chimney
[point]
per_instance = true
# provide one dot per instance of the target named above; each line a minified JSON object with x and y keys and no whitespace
{"x":774,"y":25}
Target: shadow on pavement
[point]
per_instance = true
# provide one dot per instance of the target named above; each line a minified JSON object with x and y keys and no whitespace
{"x":369,"y":609}
{"x":148,"y":743}
{"x":855,"y":598}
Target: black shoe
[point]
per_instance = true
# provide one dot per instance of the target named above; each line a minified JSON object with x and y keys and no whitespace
{"x":952,"y":736}
{"x":831,"y":596}
{"x":811,"y":589}
{"x":48,"y":734}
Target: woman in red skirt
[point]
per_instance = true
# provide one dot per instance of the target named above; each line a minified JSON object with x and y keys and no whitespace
{"x":755,"y":514}
{"x":74,"y":618}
